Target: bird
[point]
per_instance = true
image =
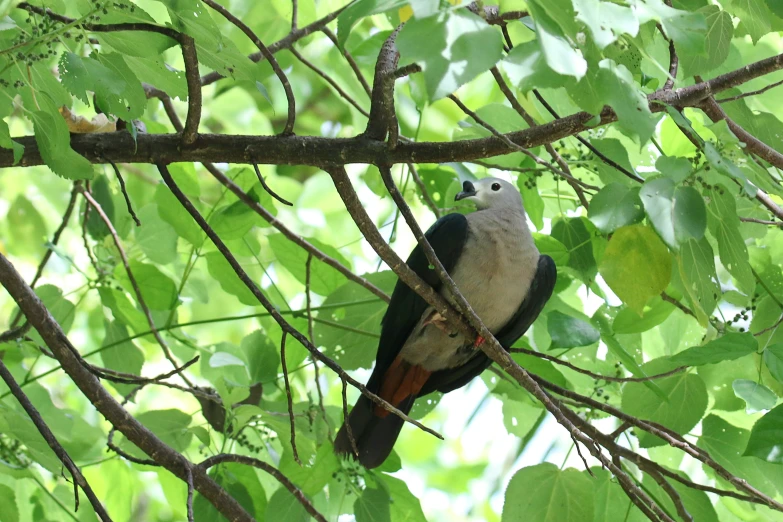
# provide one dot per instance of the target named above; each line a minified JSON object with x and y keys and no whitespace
{"x":492,"y":258}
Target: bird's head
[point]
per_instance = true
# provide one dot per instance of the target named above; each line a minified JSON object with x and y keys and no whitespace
{"x":491,"y":193}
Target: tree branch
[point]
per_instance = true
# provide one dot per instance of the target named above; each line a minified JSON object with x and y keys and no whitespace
{"x":135,"y":432}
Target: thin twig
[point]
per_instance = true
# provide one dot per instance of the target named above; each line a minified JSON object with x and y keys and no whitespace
{"x":347,"y":424}
{"x":189,"y":501}
{"x":423,"y":189}
{"x":751,"y":93}
{"x":357,"y":71}
{"x":124,"y":191}
{"x":328,"y":79}
{"x":289,"y":93}
{"x":311,"y":337}
{"x":282,"y":479}
{"x":762,"y":221}
{"x":606,"y":159}
{"x":289,"y":398}
{"x":598,"y":376}
{"x":132,"y":279}
{"x":269,"y":190}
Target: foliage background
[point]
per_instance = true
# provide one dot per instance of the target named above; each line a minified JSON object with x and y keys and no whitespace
{"x":690,"y":230}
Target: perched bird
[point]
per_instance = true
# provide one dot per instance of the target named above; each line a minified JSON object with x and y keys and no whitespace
{"x":491,"y":256}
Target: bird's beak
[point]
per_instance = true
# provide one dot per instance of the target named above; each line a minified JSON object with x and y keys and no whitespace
{"x":468,"y":190}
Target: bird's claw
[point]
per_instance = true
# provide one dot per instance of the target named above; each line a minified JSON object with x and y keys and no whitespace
{"x":479,"y":341}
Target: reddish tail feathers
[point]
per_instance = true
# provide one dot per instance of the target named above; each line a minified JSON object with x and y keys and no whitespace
{"x":401,"y":380}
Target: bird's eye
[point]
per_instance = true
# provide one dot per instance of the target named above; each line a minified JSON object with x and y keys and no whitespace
{"x":496,"y":186}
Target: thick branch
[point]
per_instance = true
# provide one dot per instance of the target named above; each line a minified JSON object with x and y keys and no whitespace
{"x":326,"y":152}
{"x":134,"y":431}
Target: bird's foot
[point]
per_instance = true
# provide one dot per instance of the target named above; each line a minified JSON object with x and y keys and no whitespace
{"x":479,"y":341}
{"x":439,"y":322}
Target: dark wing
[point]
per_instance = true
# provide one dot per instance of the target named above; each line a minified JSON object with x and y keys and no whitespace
{"x":540,"y":291}
{"x":447,"y":237}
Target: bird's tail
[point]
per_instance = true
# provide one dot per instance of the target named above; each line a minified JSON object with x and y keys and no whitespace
{"x":374,"y":430}
{"x":374,"y":435}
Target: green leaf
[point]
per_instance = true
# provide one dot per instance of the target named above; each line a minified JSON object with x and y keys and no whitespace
{"x":441,"y":184}
{"x":610,"y":499}
{"x":27,"y":229}
{"x":766,"y":437}
{"x":624,"y":95}
{"x":122,"y":309}
{"x":173,"y":213}
{"x":123,"y":356}
{"x":550,"y":246}
{"x":58,"y":305}
{"x":755,"y":16}
{"x":615,"y":150}
{"x":615,"y":206}
{"x":8,"y":501}
{"x":773,"y":358}
{"x":213,"y":47}
{"x":757,"y":397}
{"x":452,"y":47}
{"x":776,"y":7}
{"x":696,"y":264}
{"x":569,"y":332}
{"x":696,"y":502}
{"x":323,"y":278}
{"x":221,"y":271}
{"x":7,"y":143}
{"x":533,"y":203}
{"x":156,"y":237}
{"x":284,"y":506}
{"x":54,"y":143}
{"x":311,"y":478}
{"x":724,"y":225}
{"x":353,"y":325}
{"x":673,"y":167}
{"x":263,"y":357}
{"x":686,"y":404}
{"x":606,"y":21}
{"x":101,"y":192}
{"x":154,"y":71}
{"x":636,"y":265}
{"x":726,"y":443}
{"x":360,"y":9}
{"x":544,"y":493}
{"x":519,"y":417}
{"x":220,"y":359}
{"x":677,"y":214}
{"x":574,"y":234}
{"x":628,"y":321}
{"x":728,"y":347}
{"x":719,"y":32}
{"x":404,"y":505}
{"x":170,"y":425}
{"x":234,"y":221}
{"x":157,"y":289}
{"x":527,"y":68}
{"x":116,"y":87}
{"x":133,"y":43}
{"x":686,"y":29}
{"x":372,"y":506}
{"x":561,"y":57}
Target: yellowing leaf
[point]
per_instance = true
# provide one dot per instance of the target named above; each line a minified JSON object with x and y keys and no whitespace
{"x":636,"y":265}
